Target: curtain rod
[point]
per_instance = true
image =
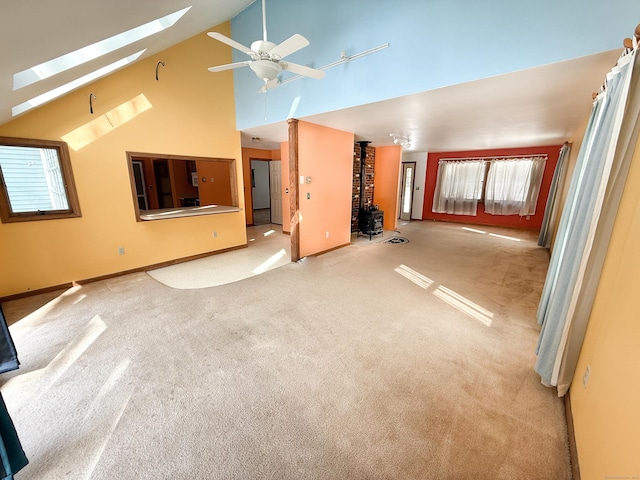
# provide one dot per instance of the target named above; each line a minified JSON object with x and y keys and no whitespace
{"x":536,"y":155}
{"x":627,"y":43}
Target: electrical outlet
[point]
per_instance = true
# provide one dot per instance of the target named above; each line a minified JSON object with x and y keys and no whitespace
{"x":585,"y":377}
{"x":326,"y":234}
{"x":120,"y":250}
{"x":215,"y":234}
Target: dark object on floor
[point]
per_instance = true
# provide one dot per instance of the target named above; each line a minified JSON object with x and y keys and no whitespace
{"x":8,"y":356}
{"x":371,"y":222}
{"x":397,"y":240}
{"x":11,"y":453}
{"x":12,"y":457}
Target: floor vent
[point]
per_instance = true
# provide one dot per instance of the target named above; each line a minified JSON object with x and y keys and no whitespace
{"x":397,"y":240}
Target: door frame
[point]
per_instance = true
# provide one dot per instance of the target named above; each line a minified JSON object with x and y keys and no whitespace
{"x":403,"y":166}
{"x":253,"y":209}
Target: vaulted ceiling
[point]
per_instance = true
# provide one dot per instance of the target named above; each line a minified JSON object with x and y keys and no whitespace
{"x":538,"y":106}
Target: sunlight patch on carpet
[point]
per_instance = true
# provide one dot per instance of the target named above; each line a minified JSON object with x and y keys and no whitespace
{"x":415,"y":277}
{"x":464,"y":305}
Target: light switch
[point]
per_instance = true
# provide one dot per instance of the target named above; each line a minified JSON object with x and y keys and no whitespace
{"x":301,"y":179}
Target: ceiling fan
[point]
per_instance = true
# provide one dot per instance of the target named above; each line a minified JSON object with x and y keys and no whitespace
{"x":267,"y":57}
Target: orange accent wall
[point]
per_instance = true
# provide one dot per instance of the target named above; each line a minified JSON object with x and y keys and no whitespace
{"x":182,"y":177}
{"x":514,"y":221}
{"x":385,"y":183}
{"x":214,"y":185}
{"x":326,"y":156}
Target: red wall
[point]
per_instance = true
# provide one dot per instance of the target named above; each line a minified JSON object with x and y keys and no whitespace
{"x":514,"y":221}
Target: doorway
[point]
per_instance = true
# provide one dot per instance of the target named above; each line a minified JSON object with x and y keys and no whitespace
{"x":275,"y":186}
{"x":406,"y":190}
{"x":163,"y":183}
{"x":266,"y":191}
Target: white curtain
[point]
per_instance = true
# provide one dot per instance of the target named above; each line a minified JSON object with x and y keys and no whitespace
{"x":554,"y":206}
{"x":458,"y":187}
{"x":513,"y":186}
{"x":585,"y":225}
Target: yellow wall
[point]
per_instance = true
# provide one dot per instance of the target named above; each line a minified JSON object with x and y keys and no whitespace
{"x":607,"y":412}
{"x":326,"y":156}
{"x":385,"y":183}
{"x":189,"y":111}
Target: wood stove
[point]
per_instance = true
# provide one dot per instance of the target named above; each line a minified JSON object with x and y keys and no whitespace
{"x":371,"y":222}
{"x":370,"y":219}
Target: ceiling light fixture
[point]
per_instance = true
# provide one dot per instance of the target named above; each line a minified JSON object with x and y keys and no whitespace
{"x":401,"y":140}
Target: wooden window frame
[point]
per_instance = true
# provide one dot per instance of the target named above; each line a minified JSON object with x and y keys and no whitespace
{"x":178,"y":212}
{"x":8,"y":216}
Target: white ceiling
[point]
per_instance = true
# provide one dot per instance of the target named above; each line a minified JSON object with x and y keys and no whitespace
{"x":540,"y":106}
{"x":534,"y":107}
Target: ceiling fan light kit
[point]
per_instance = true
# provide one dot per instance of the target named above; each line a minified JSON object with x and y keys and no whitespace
{"x":265,"y":69}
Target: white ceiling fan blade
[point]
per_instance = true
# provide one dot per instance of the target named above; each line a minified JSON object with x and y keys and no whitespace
{"x":302,"y":70}
{"x":228,"y":66}
{"x":290,"y":45}
{"x":232,"y":43}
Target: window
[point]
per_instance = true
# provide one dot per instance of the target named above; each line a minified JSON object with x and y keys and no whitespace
{"x":459,"y":186}
{"x":513,"y":186}
{"x":508,"y":186}
{"x":36,"y":181}
{"x":170,"y":186}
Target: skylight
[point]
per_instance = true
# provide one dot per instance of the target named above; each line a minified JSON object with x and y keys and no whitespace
{"x":78,"y":82}
{"x":91,"y":52}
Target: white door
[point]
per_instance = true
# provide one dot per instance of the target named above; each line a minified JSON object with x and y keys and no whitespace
{"x":406,"y":192}
{"x":275,"y":180}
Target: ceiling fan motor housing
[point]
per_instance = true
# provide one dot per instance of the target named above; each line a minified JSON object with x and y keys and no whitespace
{"x":262,"y":48}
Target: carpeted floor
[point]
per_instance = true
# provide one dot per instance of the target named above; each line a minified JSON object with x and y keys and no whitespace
{"x":268,"y":248}
{"x":375,"y":361}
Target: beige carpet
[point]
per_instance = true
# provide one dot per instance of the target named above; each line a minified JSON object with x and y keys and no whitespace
{"x":374,"y":361}
{"x":267,"y":248}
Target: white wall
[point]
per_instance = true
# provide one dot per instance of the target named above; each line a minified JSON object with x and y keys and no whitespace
{"x":418,"y":185}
